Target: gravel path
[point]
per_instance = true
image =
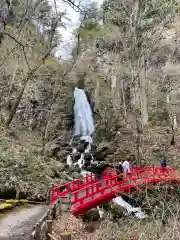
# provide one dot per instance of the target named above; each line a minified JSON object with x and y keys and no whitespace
{"x":18,"y":224}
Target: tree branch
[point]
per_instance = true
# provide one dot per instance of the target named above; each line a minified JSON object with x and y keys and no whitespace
{"x":21,"y":45}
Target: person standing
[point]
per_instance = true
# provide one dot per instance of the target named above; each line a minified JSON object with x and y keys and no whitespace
{"x":142,"y":163}
{"x":119,"y":168}
{"x":126,"y":167}
{"x":163,"y":162}
{"x":119,"y":172}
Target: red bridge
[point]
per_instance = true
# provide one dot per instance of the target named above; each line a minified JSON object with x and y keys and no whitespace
{"x":87,"y":192}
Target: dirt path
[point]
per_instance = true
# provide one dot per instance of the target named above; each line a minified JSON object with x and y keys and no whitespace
{"x":18,"y":224}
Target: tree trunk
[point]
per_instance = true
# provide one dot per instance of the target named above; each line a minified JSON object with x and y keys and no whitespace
{"x":13,"y":111}
{"x":17,"y":192}
{"x":97,"y":92}
{"x":124,"y":101}
{"x":45,"y":132}
{"x":26,"y":79}
{"x":143,"y":95}
{"x":138,"y":138}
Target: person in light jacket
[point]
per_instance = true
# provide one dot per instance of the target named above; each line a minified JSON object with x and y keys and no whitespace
{"x":126,"y":167}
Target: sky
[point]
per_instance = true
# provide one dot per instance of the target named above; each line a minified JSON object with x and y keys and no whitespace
{"x":68,"y":40}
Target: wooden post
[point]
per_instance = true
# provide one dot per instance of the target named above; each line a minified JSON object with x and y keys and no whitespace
{"x":48,"y":196}
{"x":66,"y":236}
{"x":37,"y":231}
{"x":54,"y":211}
{"x":48,"y":229}
{"x":59,"y":207}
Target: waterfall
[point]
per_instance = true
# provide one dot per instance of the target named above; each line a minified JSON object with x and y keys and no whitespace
{"x":84,"y":124}
{"x":83,"y":131}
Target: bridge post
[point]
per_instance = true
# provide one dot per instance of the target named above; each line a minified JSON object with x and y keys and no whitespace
{"x":37,"y":234}
{"x":54,"y":211}
{"x":52,"y":193}
{"x":48,"y":229}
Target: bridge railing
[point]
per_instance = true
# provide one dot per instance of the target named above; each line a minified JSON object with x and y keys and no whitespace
{"x":64,"y":189}
{"x":108,"y":187}
{"x":89,"y":186}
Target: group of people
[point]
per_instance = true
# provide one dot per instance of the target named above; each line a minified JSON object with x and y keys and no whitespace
{"x":127,"y":165}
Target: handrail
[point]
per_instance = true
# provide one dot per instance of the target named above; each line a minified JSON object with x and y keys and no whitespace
{"x":91,"y":195}
{"x":64,"y":189}
{"x":88,"y":192}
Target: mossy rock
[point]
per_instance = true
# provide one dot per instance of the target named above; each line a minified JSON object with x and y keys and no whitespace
{"x":12,"y":201}
{"x":23,"y":201}
{"x":4,"y":206}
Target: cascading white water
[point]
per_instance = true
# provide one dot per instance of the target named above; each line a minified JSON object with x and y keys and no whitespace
{"x":138,"y":213}
{"x":84,"y":124}
{"x":84,"y":127}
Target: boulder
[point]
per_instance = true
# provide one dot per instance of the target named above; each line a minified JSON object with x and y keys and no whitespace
{"x":76,"y":169}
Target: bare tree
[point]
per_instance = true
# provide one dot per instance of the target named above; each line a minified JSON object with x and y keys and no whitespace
{"x":140,"y":30}
{"x":46,"y":47}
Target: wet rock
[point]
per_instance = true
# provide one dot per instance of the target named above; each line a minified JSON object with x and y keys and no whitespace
{"x":88,"y":157}
{"x":81,"y":147}
{"x":77,"y":169}
{"x":75,"y":156}
{"x":76,"y":138}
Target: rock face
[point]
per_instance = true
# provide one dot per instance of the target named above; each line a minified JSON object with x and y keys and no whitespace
{"x":82,"y":156}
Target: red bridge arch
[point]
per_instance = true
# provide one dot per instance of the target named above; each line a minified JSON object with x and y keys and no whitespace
{"x":87,"y":192}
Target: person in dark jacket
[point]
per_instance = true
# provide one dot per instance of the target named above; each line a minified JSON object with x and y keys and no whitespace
{"x":163,"y":162}
{"x":119,"y":171}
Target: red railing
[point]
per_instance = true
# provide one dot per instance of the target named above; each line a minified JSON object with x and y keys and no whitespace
{"x":88,"y":192}
{"x":93,"y":195}
{"x":64,"y":189}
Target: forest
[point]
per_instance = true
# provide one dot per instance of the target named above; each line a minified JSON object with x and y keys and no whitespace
{"x":127,"y":54}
